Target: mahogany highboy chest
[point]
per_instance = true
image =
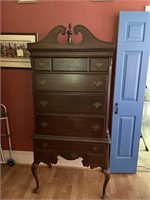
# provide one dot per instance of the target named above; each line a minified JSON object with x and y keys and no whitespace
{"x":71,"y":87}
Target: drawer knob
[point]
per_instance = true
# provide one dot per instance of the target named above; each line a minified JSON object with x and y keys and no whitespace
{"x":43,"y":103}
{"x":99,"y":65}
{"x":44,"y":124}
{"x":97,"y":104}
{"x":42,"y":82}
{"x":42,"y":65}
{"x":96,"y":127}
{"x":98,"y":83}
{"x":95,"y":149}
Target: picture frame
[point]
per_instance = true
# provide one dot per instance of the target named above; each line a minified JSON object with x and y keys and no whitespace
{"x":101,"y":0}
{"x":27,"y":1}
{"x":147,"y":8}
{"x":13,"y":49}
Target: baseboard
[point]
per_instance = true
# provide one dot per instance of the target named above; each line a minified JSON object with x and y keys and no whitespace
{"x":26,"y":157}
{"x":20,"y":157}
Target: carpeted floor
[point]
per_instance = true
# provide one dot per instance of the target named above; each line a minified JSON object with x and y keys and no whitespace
{"x":144,"y":156}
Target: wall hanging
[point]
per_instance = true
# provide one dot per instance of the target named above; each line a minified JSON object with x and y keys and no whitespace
{"x":13,"y":49}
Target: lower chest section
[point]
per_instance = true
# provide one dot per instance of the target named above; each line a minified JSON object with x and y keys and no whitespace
{"x":93,"y":154}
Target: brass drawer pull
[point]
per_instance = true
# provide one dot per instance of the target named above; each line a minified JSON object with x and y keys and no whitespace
{"x":43,"y":103}
{"x":95,"y":149}
{"x":98,"y":83}
{"x":99,"y":65}
{"x":97,"y":104}
{"x":44,"y":124}
{"x":96,"y":127}
{"x":42,"y":82}
{"x":44,"y":145}
{"x":42,"y":65}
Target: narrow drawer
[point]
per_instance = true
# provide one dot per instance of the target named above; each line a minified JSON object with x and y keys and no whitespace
{"x":70,"y":64}
{"x":71,"y":146}
{"x":99,"y":64}
{"x":42,"y":64}
{"x":70,"y":126}
{"x":77,"y":104}
{"x":72,"y":82}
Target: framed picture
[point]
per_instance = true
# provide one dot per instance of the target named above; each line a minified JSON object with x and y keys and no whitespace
{"x":27,"y":1}
{"x":13,"y":49}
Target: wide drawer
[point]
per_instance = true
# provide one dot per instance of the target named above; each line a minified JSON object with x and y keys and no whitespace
{"x":70,"y":126}
{"x":71,"y":82}
{"x":77,"y":104}
{"x":72,"y":146}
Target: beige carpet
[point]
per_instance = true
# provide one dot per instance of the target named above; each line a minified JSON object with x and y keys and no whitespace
{"x":147,"y":96}
{"x":144,"y":156}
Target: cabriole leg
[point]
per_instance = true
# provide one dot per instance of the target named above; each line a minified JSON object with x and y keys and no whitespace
{"x":107,"y":177}
{"x":34,"y":168}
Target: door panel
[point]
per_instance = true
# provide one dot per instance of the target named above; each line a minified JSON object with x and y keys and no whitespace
{"x":131,"y":81}
{"x":131,"y":70}
{"x":126,"y":126}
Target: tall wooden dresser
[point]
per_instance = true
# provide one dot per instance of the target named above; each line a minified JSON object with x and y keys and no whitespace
{"x":71,"y":87}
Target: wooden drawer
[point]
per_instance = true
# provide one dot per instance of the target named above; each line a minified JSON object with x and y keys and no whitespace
{"x":70,"y":64}
{"x":91,"y":159}
{"x":77,"y":104}
{"x":71,"y":82}
{"x":72,"y":146}
{"x":42,"y":64}
{"x":70,"y":126}
{"x":99,"y":64}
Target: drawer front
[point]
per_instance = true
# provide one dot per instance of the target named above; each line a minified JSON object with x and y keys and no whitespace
{"x":70,"y":126}
{"x":91,"y":159}
{"x":70,"y":64}
{"x":99,"y":64}
{"x":42,"y":64}
{"x":76,"y":104}
{"x":72,"y":146}
{"x":71,"y":82}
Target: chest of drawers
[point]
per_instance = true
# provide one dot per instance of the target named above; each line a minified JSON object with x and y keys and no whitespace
{"x":71,"y":87}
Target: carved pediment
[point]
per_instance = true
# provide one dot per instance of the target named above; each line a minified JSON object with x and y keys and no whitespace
{"x":88,"y":41}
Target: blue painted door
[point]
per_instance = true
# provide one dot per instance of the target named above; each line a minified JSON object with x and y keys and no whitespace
{"x":133,"y":52}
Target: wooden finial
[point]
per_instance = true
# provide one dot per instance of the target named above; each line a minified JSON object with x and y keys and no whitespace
{"x":69,"y":32}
